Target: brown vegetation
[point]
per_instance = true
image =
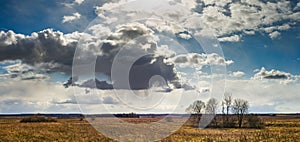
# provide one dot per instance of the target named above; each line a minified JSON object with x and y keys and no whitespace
{"x":278,"y":128}
{"x":37,"y":118}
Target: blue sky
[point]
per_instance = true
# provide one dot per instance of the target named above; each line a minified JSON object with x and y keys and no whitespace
{"x":267,"y":47}
{"x":259,"y":50}
{"x":22,"y":17}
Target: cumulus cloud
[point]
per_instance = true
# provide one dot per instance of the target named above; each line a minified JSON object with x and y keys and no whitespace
{"x":46,"y":48}
{"x":275,"y":75}
{"x":9,"y":38}
{"x":73,"y":17}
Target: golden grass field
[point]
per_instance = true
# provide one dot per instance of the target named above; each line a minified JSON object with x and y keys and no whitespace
{"x":277,"y":129}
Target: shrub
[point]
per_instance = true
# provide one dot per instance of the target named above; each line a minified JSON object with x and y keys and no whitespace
{"x":255,"y":122}
{"x":33,"y":119}
{"x":229,"y":121}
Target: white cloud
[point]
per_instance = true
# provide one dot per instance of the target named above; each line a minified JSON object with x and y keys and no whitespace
{"x":79,"y":2}
{"x":165,"y":51}
{"x":18,"y":68}
{"x":295,"y":16}
{"x":19,"y":72}
{"x":234,"y":38}
{"x":73,"y":4}
{"x":279,"y":28}
{"x":284,"y":27}
{"x":185,"y":36}
{"x":249,"y":32}
{"x":237,"y":74}
{"x":73,"y":17}
{"x":274,"y":34}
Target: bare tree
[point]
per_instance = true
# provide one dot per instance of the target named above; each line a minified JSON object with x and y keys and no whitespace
{"x":240,"y":107}
{"x":226,"y":106}
{"x":227,"y":102}
{"x":211,"y":108}
{"x":196,"y":108}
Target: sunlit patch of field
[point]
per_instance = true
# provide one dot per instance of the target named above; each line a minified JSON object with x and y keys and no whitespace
{"x":277,"y":129}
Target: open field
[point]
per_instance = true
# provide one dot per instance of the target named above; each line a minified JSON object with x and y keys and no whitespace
{"x":73,"y":129}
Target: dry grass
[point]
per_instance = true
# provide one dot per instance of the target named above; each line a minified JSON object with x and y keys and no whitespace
{"x":277,"y":129}
{"x":62,"y":130}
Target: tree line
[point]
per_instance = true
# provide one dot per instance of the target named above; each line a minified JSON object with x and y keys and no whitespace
{"x":234,"y":113}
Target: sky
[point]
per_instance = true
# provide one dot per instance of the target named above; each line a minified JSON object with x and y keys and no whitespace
{"x":171,"y":53}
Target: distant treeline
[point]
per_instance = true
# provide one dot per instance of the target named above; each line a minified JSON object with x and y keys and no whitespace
{"x":134,"y":115}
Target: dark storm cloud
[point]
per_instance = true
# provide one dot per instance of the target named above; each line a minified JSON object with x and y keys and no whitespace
{"x":130,"y":39}
{"x":272,"y":74}
{"x":46,"y":46}
{"x":277,"y":76}
{"x":95,"y":83}
{"x":54,"y":51}
{"x":144,"y":67}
